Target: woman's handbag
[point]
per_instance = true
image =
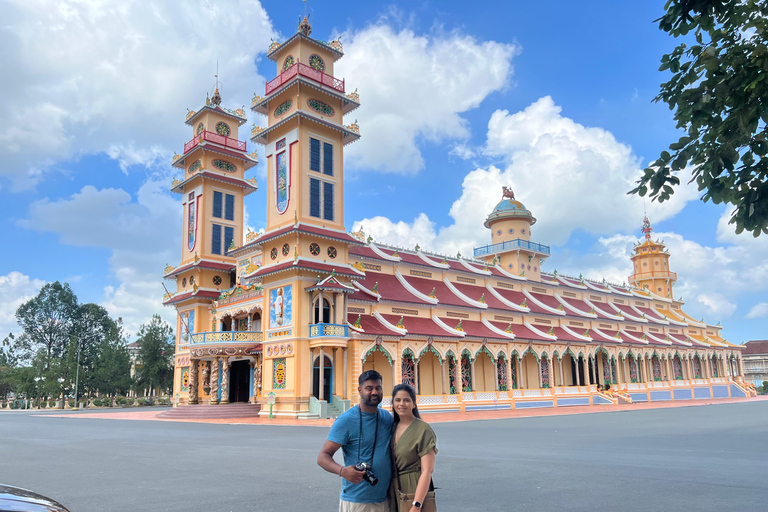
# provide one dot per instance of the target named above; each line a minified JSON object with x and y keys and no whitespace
{"x":405,"y":502}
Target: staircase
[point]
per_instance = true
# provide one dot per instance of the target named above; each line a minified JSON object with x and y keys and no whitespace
{"x":211,"y":412}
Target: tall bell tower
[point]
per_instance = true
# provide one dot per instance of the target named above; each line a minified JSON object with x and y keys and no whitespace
{"x":650,"y":261}
{"x":305,"y":273}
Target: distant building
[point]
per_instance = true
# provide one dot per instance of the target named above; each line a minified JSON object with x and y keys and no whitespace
{"x":755,"y":359}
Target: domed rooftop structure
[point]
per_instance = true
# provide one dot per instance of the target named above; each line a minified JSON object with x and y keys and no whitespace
{"x":507,"y":209}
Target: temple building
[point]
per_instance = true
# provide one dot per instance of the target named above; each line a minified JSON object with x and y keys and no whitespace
{"x":295,"y":314}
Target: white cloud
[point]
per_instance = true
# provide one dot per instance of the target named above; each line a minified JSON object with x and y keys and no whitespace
{"x":758,"y":310}
{"x":15,"y":289}
{"x":98,"y":76}
{"x":415,"y":87}
{"x":142,"y":233}
{"x":717,"y":304}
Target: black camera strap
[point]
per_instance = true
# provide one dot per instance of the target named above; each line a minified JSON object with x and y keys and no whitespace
{"x":360,"y":437}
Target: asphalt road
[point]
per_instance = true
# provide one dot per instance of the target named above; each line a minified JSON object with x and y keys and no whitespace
{"x":707,"y":458}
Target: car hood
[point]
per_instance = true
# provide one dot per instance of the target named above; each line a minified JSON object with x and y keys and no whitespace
{"x":14,"y":499}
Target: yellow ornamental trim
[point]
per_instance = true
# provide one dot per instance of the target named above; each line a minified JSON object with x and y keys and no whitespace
{"x":274,"y":46}
{"x":459,"y":327}
{"x":190,"y":113}
{"x":509,"y":329}
{"x":358,"y":322}
{"x":256,"y":130}
{"x":168,"y":268}
{"x":176,"y":156}
{"x":254,"y":156}
{"x":375,"y":290}
{"x":251,"y":236}
{"x":432,"y":294}
{"x":359,"y":266}
{"x":482,"y":299}
{"x":256,"y":100}
{"x":354,"y":127}
{"x":354,"y":96}
{"x":253,"y":182}
{"x":240,"y":112}
{"x":175,"y":183}
{"x":400,"y":323}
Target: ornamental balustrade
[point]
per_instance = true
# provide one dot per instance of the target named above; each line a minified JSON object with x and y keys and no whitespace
{"x":332,"y":330}
{"x":200,"y":338}
{"x":214,"y":137}
{"x":306,"y":71}
{"x":511,"y":245}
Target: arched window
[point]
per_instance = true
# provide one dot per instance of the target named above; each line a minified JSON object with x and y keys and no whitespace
{"x":324,"y":315}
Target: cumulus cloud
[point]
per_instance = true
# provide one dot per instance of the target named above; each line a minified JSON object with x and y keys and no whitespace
{"x":15,"y":289}
{"x":758,"y":310}
{"x":439,"y":72}
{"x":142,"y":232}
{"x":116,"y":77}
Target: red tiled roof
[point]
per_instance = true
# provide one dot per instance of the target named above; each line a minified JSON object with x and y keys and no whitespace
{"x":200,"y":294}
{"x":475,"y":292}
{"x":609,"y":336}
{"x":420,"y":326}
{"x":521,"y":332}
{"x":626,"y":311}
{"x":310,"y":230}
{"x":365,"y":252}
{"x":475,"y":329}
{"x":578,"y":304}
{"x":650,"y":313}
{"x":756,"y":347}
{"x":548,"y":300}
{"x":213,"y":265}
{"x":389,"y":288}
{"x":518,"y":298}
{"x":371,"y":326}
{"x":562,"y":334}
{"x":442,"y":292}
{"x":303,"y":264}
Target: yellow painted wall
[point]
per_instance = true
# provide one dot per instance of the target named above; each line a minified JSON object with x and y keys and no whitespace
{"x":430,"y":376}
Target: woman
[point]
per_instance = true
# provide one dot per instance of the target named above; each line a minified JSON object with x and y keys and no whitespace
{"x":414,"y":447}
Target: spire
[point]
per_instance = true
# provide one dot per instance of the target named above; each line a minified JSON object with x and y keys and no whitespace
{"x":647,"y":227}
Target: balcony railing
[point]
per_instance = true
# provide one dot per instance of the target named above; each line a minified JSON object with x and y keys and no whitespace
{"x":307,"y":71}
{"x":200,"y":338}
{"x":511,"y":246}
{"x":649,"y":275}
{"x":216,"y":138}
{"x":335,"y":330}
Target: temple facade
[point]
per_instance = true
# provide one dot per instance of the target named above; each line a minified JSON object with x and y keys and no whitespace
{"x":295,"y":314}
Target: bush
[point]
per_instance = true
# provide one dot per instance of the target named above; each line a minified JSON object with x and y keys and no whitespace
{"x":97,"y":402}
{"x":121,"y":400}
{"x":128,"y":401}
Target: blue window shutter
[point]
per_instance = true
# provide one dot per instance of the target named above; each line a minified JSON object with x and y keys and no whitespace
{"x":327,"y":159}
{"x":217,"y":197}
{"x":314,"y":155}
{"x":229,"y":235}
{"x":229,"y":207}
{"x":328,"y":201}
{"x":216,"y":239}
{"x":314,"y":197}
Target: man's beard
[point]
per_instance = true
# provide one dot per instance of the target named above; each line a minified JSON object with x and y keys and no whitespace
{"x":372,"y":400}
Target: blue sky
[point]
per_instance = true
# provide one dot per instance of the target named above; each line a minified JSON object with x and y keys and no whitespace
{"x":458,"y":98}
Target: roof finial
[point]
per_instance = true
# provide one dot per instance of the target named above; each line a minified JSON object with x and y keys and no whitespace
{"x":304,"y":26}
{"x":506,"y":193}
{"x":647,"y":227}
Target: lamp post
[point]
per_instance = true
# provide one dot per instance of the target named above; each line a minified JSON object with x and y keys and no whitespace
{"x":77,"y":372}
{"x":37,"y":389}
{"x":61,"y":383}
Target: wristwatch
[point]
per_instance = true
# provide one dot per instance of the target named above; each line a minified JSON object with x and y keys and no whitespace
{"x":418,"y":504}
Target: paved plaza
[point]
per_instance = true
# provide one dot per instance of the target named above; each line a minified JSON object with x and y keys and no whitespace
{"x":705,"y":458}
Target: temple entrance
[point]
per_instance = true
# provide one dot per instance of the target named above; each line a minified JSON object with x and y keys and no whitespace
{"x":327,"y":379}
{"x":239,"y":381}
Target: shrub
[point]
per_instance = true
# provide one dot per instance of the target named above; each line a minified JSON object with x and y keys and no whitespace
{"x":97,"y":402}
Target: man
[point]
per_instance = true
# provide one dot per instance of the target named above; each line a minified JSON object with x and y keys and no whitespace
{"x":363,"y":433}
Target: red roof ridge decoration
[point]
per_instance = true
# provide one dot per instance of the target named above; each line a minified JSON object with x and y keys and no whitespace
{"x":574,"y":334}
{"x":498,"y":331}
{"x":471,"y":302}
{"x":399,"y":330}
{"x":383,"y":255}
{"x":416,"y":293}
{"x":622,"y":312}
{"x":431,"y":262}
{"x":202,"y":263}
{"x":615,"y":339}
{"x":601,"y":311}
{"x":508,"y":274}
{"x":574,"y":309}
{"x":631,"y":337}
{"x":456,"y":331}
{"x":508,"y":303}
{"x":536,"y":331}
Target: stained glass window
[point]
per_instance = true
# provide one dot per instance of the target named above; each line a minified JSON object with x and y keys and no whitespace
{"x":544,"y":372}
{"x":288,"y":62}
{"x":501,"y":373}
{"x":452,"y":373}
{"x":200,"y":128}
{"x":332,"y":252}
{"x":407,"y":368}
{"x":632,"y":370}
{"x":273,"y":253}
{"x":224,"y":165}
{"x":195,"y":166}
{"x":216,"y":280}
{"x":316,"y":62}
{"x":286,"y":249}
{"x":678,"y":368}
{"x":466,"y":372}
{"x":283,"y":108}
{"x":656,"y":366}
{"x":513,"y":362}
{"x":321,"y":107}
{"x":314,"y":249}
{"x":222,"y":129}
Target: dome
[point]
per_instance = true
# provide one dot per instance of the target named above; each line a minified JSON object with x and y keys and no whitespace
{"x":509,"y":208}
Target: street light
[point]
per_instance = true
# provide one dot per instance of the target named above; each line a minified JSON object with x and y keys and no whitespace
{"x":77,"y":372}
{"x":61,"y":383}
{"x":37,"y":388}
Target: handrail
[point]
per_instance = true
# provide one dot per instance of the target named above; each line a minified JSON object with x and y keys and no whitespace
{"x":335,"y":330}
{"x":511,"y":245}
{"x":223,"y":140}
{"x":653,"y":273}
{"x":307,"y":71}
{"x":200,"y":338}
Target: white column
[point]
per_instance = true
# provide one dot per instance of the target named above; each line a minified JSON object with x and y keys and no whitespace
{"x":321,"y":382}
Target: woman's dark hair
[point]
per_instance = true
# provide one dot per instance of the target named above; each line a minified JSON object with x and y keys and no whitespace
{"x":412,"y":392}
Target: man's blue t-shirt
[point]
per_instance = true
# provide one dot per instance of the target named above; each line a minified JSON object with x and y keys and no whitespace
{"x":346,"y":432}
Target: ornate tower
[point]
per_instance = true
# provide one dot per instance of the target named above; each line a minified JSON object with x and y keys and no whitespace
{"x":511,"y":247}
{"x":305,"y":271}
{"x":651,"y":265}
{"x":214,"y":162}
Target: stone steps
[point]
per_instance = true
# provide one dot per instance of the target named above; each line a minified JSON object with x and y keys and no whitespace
{"x":221,"y":411}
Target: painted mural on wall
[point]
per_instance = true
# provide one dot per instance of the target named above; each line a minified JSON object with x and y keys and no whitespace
{"x":281,"y":307}
{"x":283,"y":187}
{"x":278,"y":373}
{"x":185,"y":379}
{"x":191,"y":222}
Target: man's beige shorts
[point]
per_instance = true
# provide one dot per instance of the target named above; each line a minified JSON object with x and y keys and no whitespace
{"x":348,"y":506}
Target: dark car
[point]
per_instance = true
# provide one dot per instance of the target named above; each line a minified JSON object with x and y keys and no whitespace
{"x":13,"y":499}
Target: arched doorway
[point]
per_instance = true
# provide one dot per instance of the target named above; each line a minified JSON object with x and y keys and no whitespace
{"x":239,"y":381}
{"x":256,"y":322}
{"x":327,"y":378}
{"x":485,"y":373}
{"x":323,"y":314}
{"x":377,"y":360}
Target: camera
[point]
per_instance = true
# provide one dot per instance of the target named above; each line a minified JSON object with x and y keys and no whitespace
{"x":368,"y":476}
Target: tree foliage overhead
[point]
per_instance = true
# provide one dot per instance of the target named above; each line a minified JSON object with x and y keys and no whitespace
{"x":719,"y":93}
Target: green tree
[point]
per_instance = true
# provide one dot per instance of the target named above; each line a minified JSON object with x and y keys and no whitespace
{"x":47,"y":321}
{"x":92,"y":328}
{"x":113,"y":367}
{"x":719,"y":93}
{"x":155,"y":356}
